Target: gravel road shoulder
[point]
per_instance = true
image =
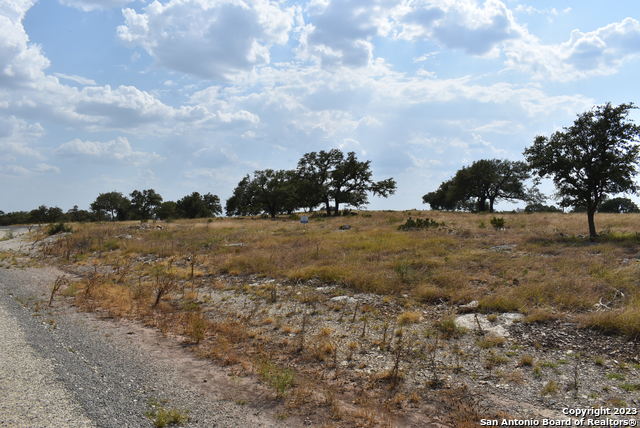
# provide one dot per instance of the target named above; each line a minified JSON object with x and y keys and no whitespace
{"x":73,"y":369}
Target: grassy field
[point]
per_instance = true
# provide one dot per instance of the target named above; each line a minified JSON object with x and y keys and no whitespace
{"x":339,"y":321}
{"x":538,"y":264}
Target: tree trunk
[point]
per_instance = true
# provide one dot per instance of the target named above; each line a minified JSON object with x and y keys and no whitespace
{"x":327,"y":206}
{"x":592,"y":225}
{"x":337,"y":213}
{"x":491,"y":201}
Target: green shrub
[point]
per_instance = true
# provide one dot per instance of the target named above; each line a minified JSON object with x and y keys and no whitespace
{"x":58,"y":228}
{"x":162,"y":416}
{"x":280,"y":379}
{"x":111,"y":244}
{"x":497,"y":222}
{"x":418,"y":224}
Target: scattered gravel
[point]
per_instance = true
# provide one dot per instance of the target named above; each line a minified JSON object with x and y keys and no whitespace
{"x":68,"y":369}
{"x":31,"y":396}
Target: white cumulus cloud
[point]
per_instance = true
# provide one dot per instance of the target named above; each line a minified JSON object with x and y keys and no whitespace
{"x":209,"y":39}
{"x":594,"y":53}
{"x":118,"y":149}
{"x":340,"y":32}
{"x":473,"y":27}
{"x":20,"y":60}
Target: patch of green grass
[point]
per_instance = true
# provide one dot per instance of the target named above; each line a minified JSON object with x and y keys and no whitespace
{"x":550,"y":388}
{"x":630,"y":387}
{"x":280,"y":379}
{"x":448,"y":328}
{"x":615,"y":376}
{"x":162,"y":416}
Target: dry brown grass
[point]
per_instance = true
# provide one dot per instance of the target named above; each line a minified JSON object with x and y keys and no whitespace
{"x":409,"y":317}
{"x":544,"y":262}
{"x":537,"y":265}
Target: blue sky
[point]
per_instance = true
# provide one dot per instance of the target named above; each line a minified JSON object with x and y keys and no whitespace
{"x":190,"y":95}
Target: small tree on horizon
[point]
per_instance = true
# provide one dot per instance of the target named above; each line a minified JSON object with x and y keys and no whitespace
{"x":479,"y":186}
{"x":618,"y":205}
{"x":196,"y":205}
{"x":268,"y":191}
{"x":595,"y":157}
{"x":114,"y":203}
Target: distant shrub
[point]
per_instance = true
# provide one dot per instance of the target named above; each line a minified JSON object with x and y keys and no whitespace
{"x":419,"y":223}
{"x":541,"y":208}
{"x":618,"y":205}
{"x":111,"y":244}
{"x":294,"y":216}
{"x":497,"y":222}
{"x":58,"y":228}
{"x":348,"y":212}
{"x":162,"y":416}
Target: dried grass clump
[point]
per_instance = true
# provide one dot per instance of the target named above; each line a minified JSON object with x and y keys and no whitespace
{"x":540,"y":315}
{"x":624,"y":321}
{"x":409,"y":317}
{"x":426,"y":293}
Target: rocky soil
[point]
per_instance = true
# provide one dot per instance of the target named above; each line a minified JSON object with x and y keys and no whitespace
{"x":417,"y":357}
{"x":63,"y":368}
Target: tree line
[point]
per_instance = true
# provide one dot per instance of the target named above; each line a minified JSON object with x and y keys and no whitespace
{"x":328,"y":178}
{"x":324,"y":178}
{"x":596,"y":157}
{"x":588,"y":162}
{"x":140,"y":205}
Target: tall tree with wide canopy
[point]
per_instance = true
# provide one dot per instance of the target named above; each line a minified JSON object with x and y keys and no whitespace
{"x":351,"y":182}
{"x":314,"y":173}
{"x":330,"y":176}
{"x":595,"y":157}
{"x":145,"y":203}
